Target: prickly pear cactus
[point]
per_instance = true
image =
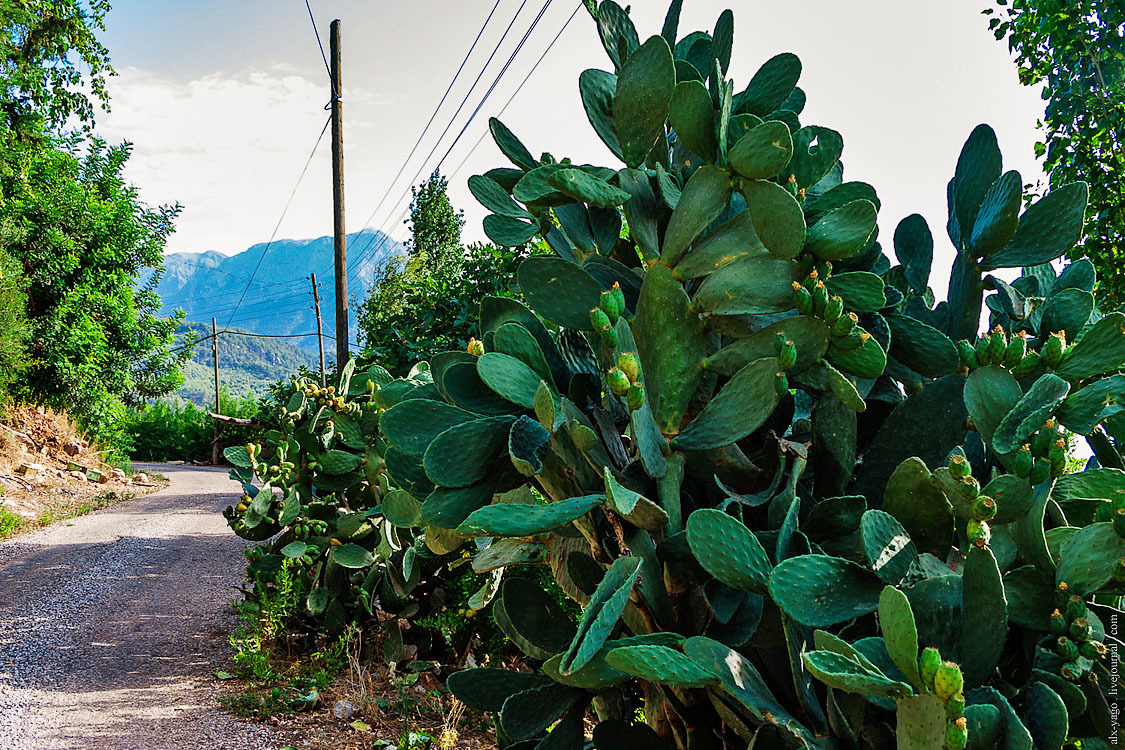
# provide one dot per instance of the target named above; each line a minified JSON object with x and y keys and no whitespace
{"x":796,"y":496}
{"x":317,"y":495}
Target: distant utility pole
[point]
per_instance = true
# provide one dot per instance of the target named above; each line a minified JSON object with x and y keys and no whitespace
{"x":342,"y":353}
{"x":218,"y":406}
{"x":319,"y":332}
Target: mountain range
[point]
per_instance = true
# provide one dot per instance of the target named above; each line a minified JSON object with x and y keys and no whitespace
{"x":266,"y":288}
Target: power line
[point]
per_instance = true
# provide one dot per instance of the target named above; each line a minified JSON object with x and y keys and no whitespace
{"x":448,"y":125}
{"x":371,"y":258}
{"x":323,"y":56}
{"x":289,"y":202}
{"x":226,"y":332}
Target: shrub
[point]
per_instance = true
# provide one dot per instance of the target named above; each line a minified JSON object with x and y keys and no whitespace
{"x":169,"y":430}
{"x":800,"y":503}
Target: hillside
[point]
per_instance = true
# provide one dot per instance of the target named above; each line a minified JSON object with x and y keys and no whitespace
{"x":246,"y":364}
{"x":279,"y":300}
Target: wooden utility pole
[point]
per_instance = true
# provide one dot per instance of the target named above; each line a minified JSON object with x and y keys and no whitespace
{"x":319,"y":332}
{"x":342,"y":352}
{"x":218,"y":405}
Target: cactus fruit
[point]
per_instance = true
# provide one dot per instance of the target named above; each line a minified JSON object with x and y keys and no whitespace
{"x":948,"y":680}
{"x":1080,"y":629}
{"x":1022,"y":462}
{"x":618,"y":381}
{"x":1053,"y":349}
{"x":997,"y":346}
{"x":1016,"y":351}
{"x":978,"y":533}
{"x":475,"y":347}
{"x":1041,"y":471}
{"x":781,"y":385}
{"x":1075,"y":607}
{"x":635,"y":397}
{"x":928,"y":664}
{"x":630,"y":365}
{"x":1071,"y":670}
{"x":802,"y":299}
{"x":1118,"y":570}
{"x":612,"y":302}
{"x":967,"y":355}
{"x":1066,"y":648}
{"x":982,"y":348}
{"x":820,"y":298}
{"x":983,"y":508}
{"x":833,"y":309}
{"x":955,"y":706}
{"x":959,"y":467}
{"x":1027,"y":365}
{"x":957,"y":734}
{"x":1059,"y":623}
{"x":845,"y":325}
{"x":787,"y":354}
{"x":969,"y":487}
{"x":1094,"y":650}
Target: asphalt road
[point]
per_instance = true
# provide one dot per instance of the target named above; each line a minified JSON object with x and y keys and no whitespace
{"x":112,"y":625}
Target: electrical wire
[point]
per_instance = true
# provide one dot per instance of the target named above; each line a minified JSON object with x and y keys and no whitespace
{"x":285,"y":210}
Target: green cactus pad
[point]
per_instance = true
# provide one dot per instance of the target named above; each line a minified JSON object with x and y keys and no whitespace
{"x":1047,"y":229}
{"x":238,"y":456}
{"x":634,"y":507}
{"x":495,"y":198}
{"x":1106,"y":484}
{"x":984,"y":618}
{"x":808,"y":165}
{"x":938,"y":406}
{"x":920,"y":723}
{"x":704,"y":198}
{"x":506,"y":231}
{"x":861,"y":291}
{"x":597,"y":89}
{"x":728,"y":550}
{"x":661,"y":665}
{"x":351,"y":556}
{"x":1045,"y":716}
{"x":843,"y":232}
{"x":1013,"y":497}
{"x":464,"y":388}
{"x":1085,"y":409}
{"x":671,"y":344}
{"x":762,"y":153}
{"x":737,"y":410}
{"x":750,"y":286}
{"x":692,"y":115}
{"x":463,"y":454}
{"x":509,"y":378}
{"x":916,"y":499}
{"x":350,"y":433}
{"x":508,"y":519}
{"x":921,"y":347}
{"x":412,"y":425}
{"x":534,"y":190}
{"x":889,"y":549}
{"x":645,"y":82}
{"x":733,"y":240}
{"x":984,"y":726}
{"x":1066,"y":310}
{"x":978,"y":166}
{"x":532,"y":618}
{"x":777,"y":216}
{"x":1070,"y":693}
{"x":528,"y":713}
{"x":337,"y":462}
{"x":587,"y":188}
{"x":819,"y":590}
{"x":644,"y":212}
{"x":486,"y":688}
{"x":527,"y":445}
{"x":447,"y":507}
{"x":990,"y":394}
{"x":842,"y":673}
{"x":1087,"y":558}
{"x":844,"y":388}
{"x":559,"y":290}
{"x":1100,"y":350}
{"x":900,"y":633}
{"x":1030,"y":413}
{"x":998,"y":216}
{"x":914,"y":248}
{"x":770,"y":86}
{"x":808,"y":333}
{"x":401,"y":509}
{"x":515,"y":340}
{"x":601,"y":614}
{"x":868,"y":360}
{"x":511,"y":146}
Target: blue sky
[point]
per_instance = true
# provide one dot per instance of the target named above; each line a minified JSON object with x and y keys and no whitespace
{"x":224,"y":100}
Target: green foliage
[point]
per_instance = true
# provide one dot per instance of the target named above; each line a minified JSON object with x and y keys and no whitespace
{"x":710,"y":520}
{"x":13,"y":323}
{"x":168,"y":430}
{"x":426,"y":302}
{"x":1074,"y":51}
{"x":247,"y":364}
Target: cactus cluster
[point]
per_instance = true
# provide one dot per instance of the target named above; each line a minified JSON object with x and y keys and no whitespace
{"x":794,"y":512}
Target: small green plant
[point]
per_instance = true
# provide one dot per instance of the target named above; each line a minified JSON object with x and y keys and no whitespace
{"x":10,"y":523}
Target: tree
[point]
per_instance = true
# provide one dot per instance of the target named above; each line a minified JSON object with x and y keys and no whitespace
{"x":1075,"y":49}
{"x":426,"y":301}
